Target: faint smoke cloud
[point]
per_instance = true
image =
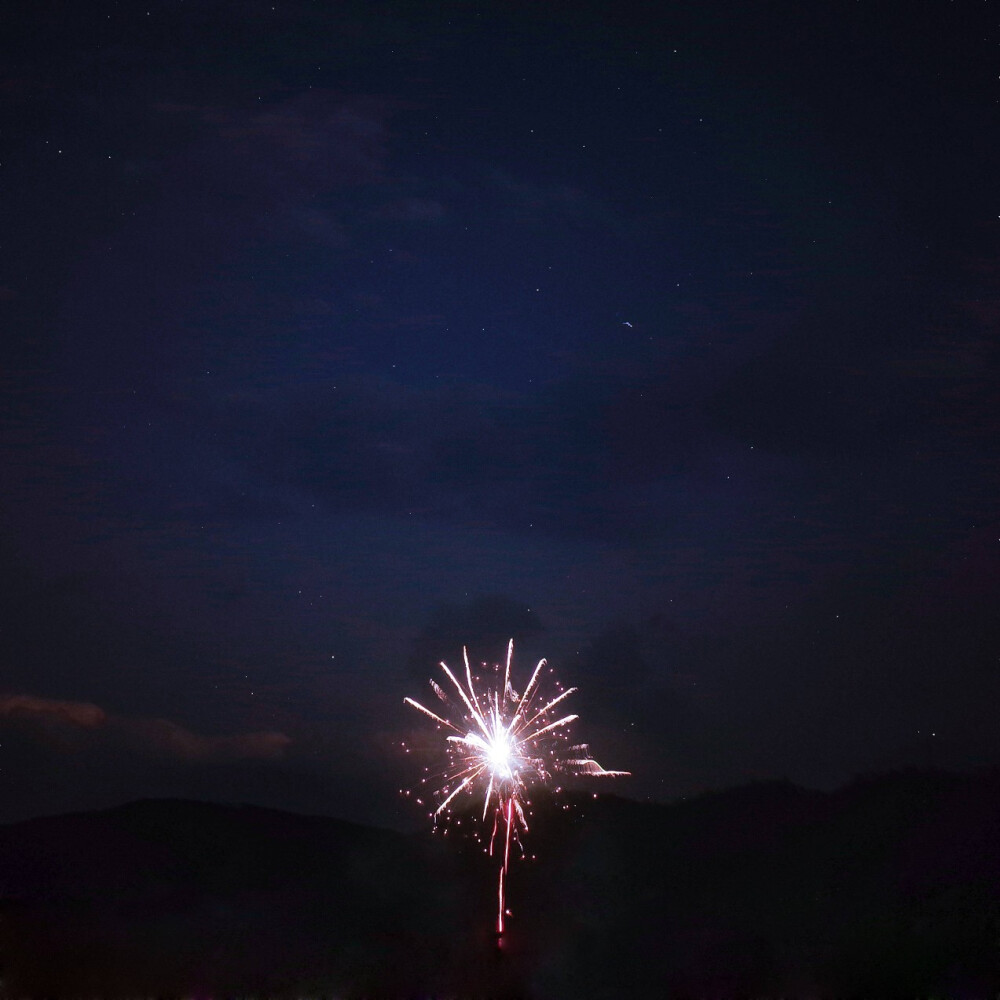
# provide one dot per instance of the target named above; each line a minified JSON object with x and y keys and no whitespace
{"x":163,"y":736}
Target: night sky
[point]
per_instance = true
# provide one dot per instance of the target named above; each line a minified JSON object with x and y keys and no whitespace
{"x":662,"y":337}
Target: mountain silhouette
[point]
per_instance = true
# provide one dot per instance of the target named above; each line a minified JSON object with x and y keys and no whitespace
{"x":887,"y":887}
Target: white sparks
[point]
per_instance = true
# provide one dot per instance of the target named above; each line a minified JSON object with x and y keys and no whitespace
{"x":499,"y":747}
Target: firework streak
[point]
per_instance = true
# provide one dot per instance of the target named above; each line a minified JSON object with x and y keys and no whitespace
{"x":500,"y":744}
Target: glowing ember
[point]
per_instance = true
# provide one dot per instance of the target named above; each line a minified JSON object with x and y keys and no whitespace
{"x":500,"y":745}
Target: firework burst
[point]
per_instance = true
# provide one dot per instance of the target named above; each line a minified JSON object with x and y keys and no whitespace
{"x":499,"y":745}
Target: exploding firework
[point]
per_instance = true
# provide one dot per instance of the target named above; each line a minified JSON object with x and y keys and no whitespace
{"x":500,"y":744}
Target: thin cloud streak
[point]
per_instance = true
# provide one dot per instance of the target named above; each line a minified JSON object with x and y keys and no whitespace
{"x":151,"y":737}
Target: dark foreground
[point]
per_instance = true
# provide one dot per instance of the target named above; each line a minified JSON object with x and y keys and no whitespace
{"x":889,"y":887}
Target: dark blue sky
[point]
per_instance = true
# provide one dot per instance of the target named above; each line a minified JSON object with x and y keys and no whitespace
{"x":339,"y":334}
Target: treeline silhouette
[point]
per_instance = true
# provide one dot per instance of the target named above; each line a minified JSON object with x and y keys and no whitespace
{"x":888,"y":887}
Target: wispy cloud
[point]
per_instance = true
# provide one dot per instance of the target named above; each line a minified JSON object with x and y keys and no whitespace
{"x":151,"y":737}
{"x":75,"y":713}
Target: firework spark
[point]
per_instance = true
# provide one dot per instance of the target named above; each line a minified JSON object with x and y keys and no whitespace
{"x":500,"y":744}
